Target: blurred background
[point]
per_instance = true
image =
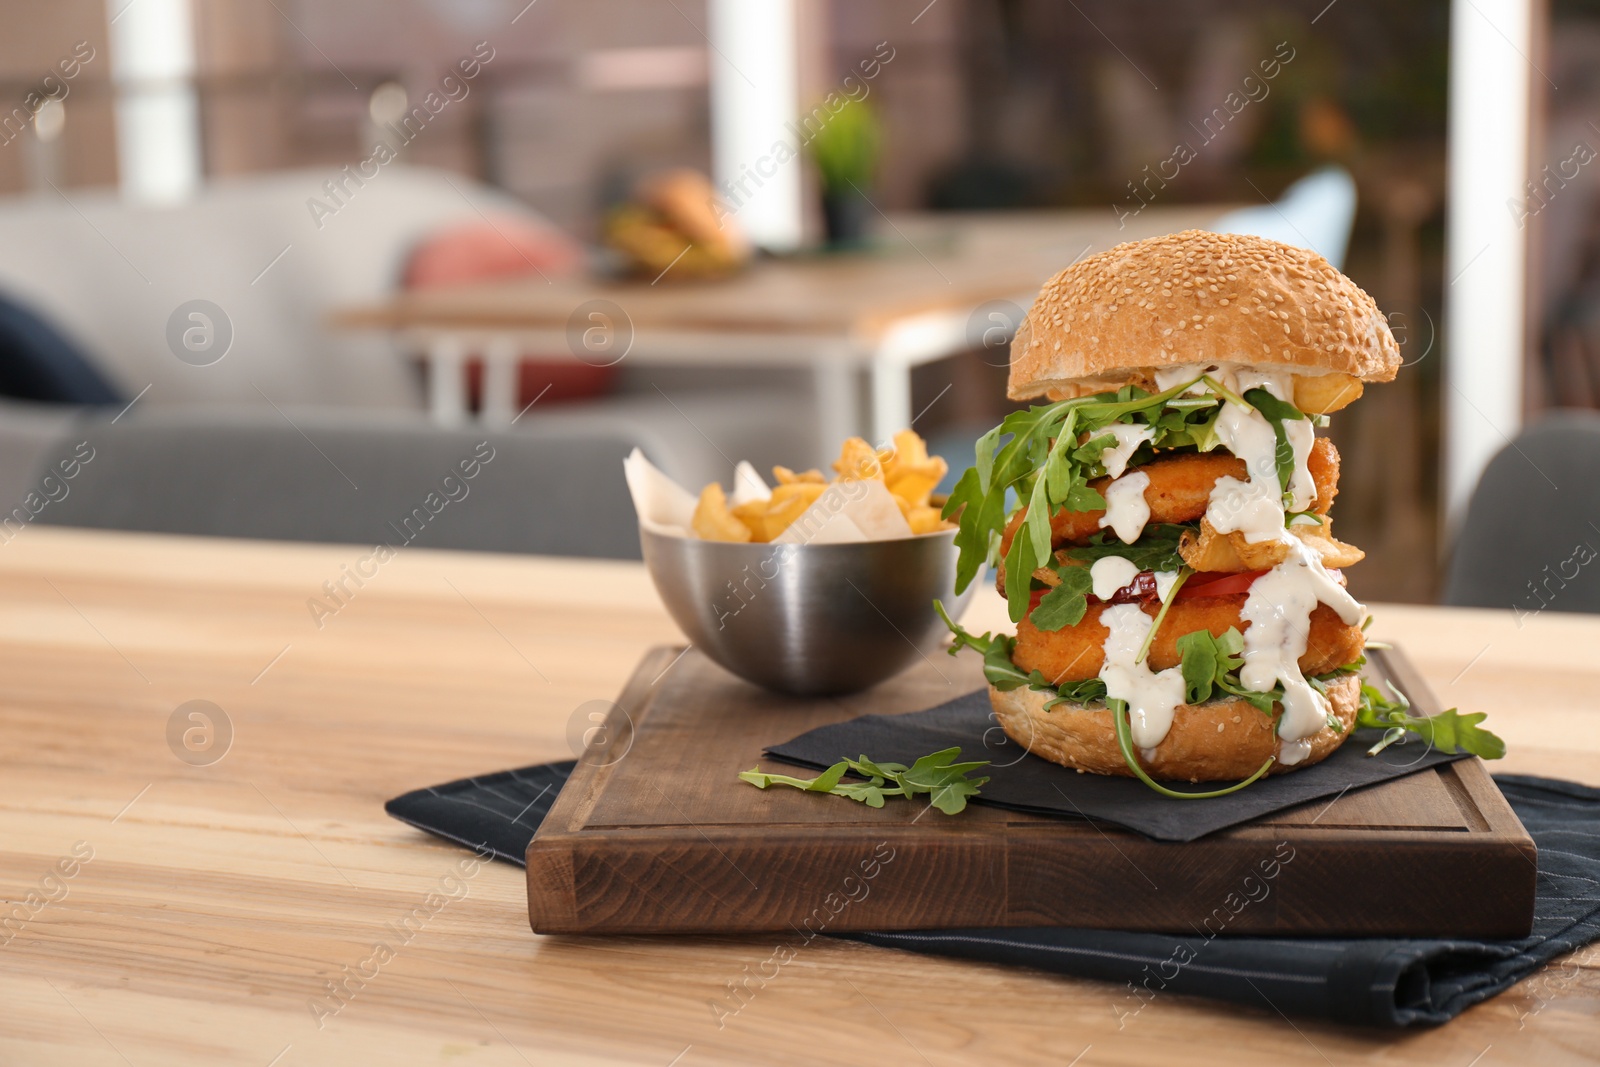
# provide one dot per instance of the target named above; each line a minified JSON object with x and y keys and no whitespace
{"x":281,"y":241}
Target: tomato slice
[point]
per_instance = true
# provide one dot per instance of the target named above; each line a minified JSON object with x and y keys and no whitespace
{"x":1222,"y":585}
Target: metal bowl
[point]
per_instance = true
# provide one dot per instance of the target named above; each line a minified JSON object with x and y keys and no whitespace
{"x":809,"y":619}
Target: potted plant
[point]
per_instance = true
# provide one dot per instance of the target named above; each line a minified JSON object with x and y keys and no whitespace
{"x":846,"y":150}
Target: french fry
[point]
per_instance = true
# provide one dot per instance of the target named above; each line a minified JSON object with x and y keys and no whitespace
{"x":753,"y":513}
{"x":909,"y":450}
{"x":713,"y":521}
{"x":789,"y":502}
{"x":785,"y":476}
{"x":805,"y":492}
{"x":916,"y":485}
{"x":925,"y":519}
{"x":1232,"y":554}
{"x":858,"y":461}
{"x":1319,"y":394}
{"x":910,"y":472}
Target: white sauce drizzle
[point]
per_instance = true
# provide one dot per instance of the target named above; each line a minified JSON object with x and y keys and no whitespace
{"x":1164,"y":580}
{"x":1126,"y":510}
{"x":1277,"y":610}
{"x":1151,"y":696}
{"x":1129,"y":437}
{"x":1279,"y":606}
{"x":1302,"y":434}
{"x":1168,"y":377}
{"x":1253,"y":507}
{"x":1111,"y":574}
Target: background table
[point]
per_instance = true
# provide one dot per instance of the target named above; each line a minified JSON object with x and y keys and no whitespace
{"x":882,"y":313}
{"x":221,"y":899}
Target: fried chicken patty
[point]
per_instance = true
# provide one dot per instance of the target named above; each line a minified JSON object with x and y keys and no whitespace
{"x":1180,"y":489}
{"x":1075,"y":653}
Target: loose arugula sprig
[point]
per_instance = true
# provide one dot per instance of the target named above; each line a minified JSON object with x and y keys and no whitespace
{"x":947,"y":783}
{"x":1448,"y":731}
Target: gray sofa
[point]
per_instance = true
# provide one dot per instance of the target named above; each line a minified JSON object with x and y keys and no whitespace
{"x":552,"y":486}
{"x":233,"y":448}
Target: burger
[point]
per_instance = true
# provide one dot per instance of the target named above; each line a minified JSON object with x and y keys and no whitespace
{"x":677,"y":220}
{"x":1161,"y":523}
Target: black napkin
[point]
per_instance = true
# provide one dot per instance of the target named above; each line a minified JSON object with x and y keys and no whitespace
{"x":1027,"y":783}
{"x":498,"y":812}
{"x":1367,"y":981}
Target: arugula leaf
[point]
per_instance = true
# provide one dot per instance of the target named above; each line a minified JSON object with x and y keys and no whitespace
{"x":1274,"y":409}
{"x":1065,"y":604}
{"x":1199,"y":665}
{"x":1202,"y":434}
{"x":1161,"y":614}
{"x":1002,"y":672}
{"x":1088,"y":691}
{"x":1277,"y":412}
{"x":1037,"y":524}
{"x":1155,"y":550}
{"x":869,"y":793}
{"x":1021,"y":562}
{"x":998,"y":668}
{"x":1210,"y":663}
{"x":946,"y":783}
{"x":1449,"y":731}
{"x":1082,"y":497}
{"x":1037,"y":453}
{"x":822,"y":783}
{"x":1119,"y":719}
{"x":943,"y":779}
{"x":1210,"y":667}
{"x":981,"y":516}
{"x":1058,"y":470}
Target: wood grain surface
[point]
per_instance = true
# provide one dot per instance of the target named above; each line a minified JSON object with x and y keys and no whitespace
{"x":654,"y":834}
{"x":220,"y":900}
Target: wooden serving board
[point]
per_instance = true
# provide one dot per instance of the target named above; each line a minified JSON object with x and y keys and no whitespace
{"x":655,"y":834}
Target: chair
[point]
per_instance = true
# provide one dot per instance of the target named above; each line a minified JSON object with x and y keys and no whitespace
{"x":555,"y":487}
{"x":1531,"y":537}
{"x":1315,"y":212}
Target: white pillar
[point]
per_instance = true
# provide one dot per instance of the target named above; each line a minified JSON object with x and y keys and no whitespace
{"x":754,"y":103}
{"x":157,"y":113}
{"x":1485,"y":299}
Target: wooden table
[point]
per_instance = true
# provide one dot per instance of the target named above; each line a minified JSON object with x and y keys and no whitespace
{"x":220,"y":899}
{"x":925,"y":294}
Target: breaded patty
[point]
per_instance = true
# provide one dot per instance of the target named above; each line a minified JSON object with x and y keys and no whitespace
{"x":1180,"y":488}
{"x":1075,"y":653}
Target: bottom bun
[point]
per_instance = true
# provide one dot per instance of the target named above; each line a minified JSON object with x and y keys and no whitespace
{"x":1220,"y":740}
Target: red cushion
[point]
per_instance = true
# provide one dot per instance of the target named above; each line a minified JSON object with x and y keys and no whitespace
{"x":495,"y":248}
{"x":507,"y":247}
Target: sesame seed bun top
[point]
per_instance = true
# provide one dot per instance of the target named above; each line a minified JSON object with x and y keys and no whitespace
{"x":1196,"y":297}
